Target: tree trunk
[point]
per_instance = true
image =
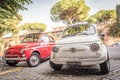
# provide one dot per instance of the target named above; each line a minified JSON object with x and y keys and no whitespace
{"x":118,"y":15}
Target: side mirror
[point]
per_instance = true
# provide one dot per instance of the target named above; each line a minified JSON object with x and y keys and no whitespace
{"x":102,"y":35}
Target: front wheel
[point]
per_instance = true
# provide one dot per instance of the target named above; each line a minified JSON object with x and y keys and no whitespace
{"x":34,"y":60}
{"x":105,"y":67}
{"x":11,"y":63}
{"x":55,"y":66}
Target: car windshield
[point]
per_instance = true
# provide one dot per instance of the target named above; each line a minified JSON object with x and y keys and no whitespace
{"x":31,"y":38}
{"x":79,"y":30}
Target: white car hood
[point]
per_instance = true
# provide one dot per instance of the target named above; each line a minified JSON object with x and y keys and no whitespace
{"x":80,"y":38}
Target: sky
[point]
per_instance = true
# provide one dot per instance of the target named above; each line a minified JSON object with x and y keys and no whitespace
{"x":39,"y":11}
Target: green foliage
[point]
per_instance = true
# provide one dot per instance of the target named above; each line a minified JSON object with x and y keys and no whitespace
{"x":115,"y":28}
{"x":103,"y":16}
{"x":9,"y":17}
{"x":70,"y":11}
{"x":34,"y":27}
{"x":9,"y":24}
{"x":4,"y":13}
{"x":11,"y":7}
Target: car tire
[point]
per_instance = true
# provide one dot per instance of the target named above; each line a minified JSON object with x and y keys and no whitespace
{"x":105,"y":66}
{"x":34,"y":60}
{"x":55,"y":66}
{"x":13,"y":63}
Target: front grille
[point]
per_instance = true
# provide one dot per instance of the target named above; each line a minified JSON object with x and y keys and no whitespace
{"x":12,"y":53}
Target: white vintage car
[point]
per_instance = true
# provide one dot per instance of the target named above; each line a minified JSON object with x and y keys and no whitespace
{"x":80,"y":45}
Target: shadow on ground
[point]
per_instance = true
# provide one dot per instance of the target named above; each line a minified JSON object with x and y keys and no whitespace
{"x":24,"y":64}
{"x":78,"y":71}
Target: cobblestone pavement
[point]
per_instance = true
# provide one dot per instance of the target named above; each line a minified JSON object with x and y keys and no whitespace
{"x":44,"y":71}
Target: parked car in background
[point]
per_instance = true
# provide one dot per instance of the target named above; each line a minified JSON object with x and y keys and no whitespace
{"x":33,"y":49}
{"x":116,"y":44}
{"x":80,"y":45}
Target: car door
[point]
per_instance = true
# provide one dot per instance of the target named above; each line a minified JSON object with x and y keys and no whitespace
{"x":50,"y":44}
{"x":45,"y":45}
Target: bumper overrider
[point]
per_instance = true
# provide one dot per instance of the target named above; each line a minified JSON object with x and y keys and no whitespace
{"x":14,"y":58}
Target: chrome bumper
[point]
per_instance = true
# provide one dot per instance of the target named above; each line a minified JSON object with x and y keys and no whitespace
{"x":14,"y":58}
{"x":84,"y":62}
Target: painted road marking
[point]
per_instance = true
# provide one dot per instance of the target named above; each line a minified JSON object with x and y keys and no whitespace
{"x":9,"y":71}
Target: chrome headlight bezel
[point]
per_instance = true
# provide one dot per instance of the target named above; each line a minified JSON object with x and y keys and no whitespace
{"x":94,"y":47}
{"x":55,"y":49}
{"x":22,"y":51}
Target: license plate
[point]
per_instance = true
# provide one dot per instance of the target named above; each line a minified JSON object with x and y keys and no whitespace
{"x":11,"y":61}
{"x":73,"y":63}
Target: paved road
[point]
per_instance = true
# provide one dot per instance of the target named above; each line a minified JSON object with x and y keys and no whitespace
{"x":114,"y":52}
{"x":44,"y":72}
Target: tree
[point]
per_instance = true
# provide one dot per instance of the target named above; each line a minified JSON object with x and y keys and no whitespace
{"x":104,"y":19}
{"x":9,"y":13}
{"x":9,"y":24}
{"x":114,"y":32}
{"x":9,"y":17}
{"x":103,"y":16}
{"x":8,"y":8}
{"x":33,"y":27}
{"x":70,"y":11}
{"x":115,"y":28}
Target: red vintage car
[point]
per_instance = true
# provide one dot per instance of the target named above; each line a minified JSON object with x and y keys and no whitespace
{"x":33,"y":49}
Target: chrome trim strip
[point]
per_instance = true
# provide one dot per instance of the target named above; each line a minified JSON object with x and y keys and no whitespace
{"x":80,"y":42}
{"x":15,"y":57}
{"x":21,"y":59}
{"x":78,"y":59}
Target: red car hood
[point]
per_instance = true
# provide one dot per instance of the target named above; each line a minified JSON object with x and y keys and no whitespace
{"x":24,"y":45}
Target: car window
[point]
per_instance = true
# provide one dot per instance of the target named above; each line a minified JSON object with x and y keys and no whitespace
{"x":51,"y":39}
{"x":31,"y":38}
{"x":79,"y":30}
{"x":45,"y":38}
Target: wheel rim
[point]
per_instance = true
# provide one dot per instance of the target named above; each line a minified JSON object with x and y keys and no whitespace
{"x":34,"y":60}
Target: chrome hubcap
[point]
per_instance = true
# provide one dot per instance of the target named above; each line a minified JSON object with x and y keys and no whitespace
{"x":34,"y":60}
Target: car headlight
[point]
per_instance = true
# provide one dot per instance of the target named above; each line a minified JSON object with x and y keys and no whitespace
{"x":94,"y":46}
{"x":22,"y":51}
{"x":55,"y":49}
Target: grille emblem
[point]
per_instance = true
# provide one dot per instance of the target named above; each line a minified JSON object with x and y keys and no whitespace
{"x":73,"y":50}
